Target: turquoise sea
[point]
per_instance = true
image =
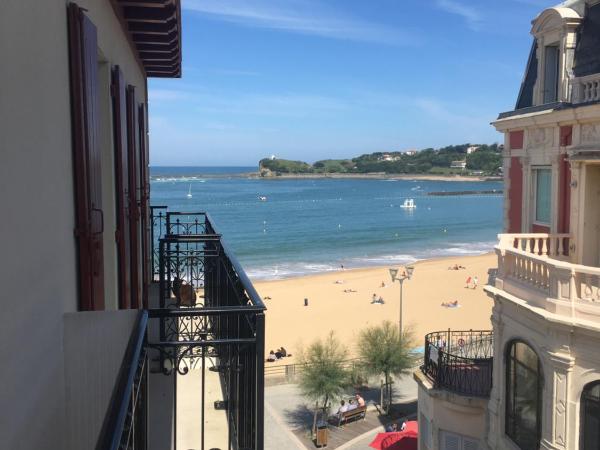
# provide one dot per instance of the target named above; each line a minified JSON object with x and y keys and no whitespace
{"x":314,"y":225}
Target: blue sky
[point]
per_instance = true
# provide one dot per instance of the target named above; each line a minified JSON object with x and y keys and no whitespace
{"x":316,"y":79}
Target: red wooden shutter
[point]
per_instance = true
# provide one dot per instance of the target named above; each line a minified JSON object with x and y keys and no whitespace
{"x":144,"y":203}
{"x":134,"y":196}
{"x":89,"y":219}
{"x":122,"y":186}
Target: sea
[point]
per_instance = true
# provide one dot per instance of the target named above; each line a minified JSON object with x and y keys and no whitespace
{"x":307,"y":226}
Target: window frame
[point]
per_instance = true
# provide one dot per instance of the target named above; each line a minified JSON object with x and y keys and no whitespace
{"x":585,"y":393}
{"x":509,"y":417}
{"x":535,"y":220}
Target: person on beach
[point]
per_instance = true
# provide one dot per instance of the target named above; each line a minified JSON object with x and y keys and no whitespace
{"x":382,"y":284}
{"x":283,"y":352}
{"x":374,"y":299}
{"x":475,"y":282}
{"x":305,"y":302}
{"x":278,"y":354}
{"x":272,"y":357}
{"x":380,"y":300}
{"x":468,"y":283}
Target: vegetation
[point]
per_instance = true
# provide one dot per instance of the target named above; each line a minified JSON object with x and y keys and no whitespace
{"x":324,"y":377}
{"x":487,"y":159}
{"x":385,"y":352}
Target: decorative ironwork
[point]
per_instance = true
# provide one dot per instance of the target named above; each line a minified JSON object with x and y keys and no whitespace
{"x":460,"y":361}
{"x":159,"y":228}
{"x":186,"y":224}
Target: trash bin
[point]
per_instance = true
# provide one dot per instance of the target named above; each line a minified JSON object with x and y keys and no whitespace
{"x":322,"y":434}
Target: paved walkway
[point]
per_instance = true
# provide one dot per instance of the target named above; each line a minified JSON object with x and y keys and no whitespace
{"x":289,"y":417}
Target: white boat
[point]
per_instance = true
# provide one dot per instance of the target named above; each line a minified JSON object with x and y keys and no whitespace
{"x":409,"y":203}
{"x":189,"y":194}
{"x":262,"y":198}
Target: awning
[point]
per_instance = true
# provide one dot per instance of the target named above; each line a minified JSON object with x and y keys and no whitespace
{"x":154,"y":27}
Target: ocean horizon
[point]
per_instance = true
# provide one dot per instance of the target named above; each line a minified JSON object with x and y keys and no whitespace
{"x":310,"y":226}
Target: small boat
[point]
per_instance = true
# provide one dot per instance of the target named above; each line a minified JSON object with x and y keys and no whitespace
{"x":189,"y":194}
{"x":409,"y":203}
{"x":262,"y":198}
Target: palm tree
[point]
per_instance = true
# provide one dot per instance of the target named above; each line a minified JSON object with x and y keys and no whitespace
{"x":384,"y":351}
{"x":323,"y":376}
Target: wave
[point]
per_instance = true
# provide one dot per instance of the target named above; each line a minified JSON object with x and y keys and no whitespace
{"x":296,"y":269}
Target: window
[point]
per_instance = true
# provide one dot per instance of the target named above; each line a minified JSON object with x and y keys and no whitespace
{"x":524,"y":383}
{"x":551,"y":73}
{"x":590,"y":417}
{"x":543,"y":193}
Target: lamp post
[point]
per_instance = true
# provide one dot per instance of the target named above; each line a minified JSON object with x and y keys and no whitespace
{"x":405,"y":274}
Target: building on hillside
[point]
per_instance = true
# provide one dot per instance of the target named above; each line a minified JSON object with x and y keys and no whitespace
{"x":410,"y":152}
{"x":458,"y":165}
{"x":99,"y":352}
{"x":472,"y":149}
{"x":388,"y":157}
{"x":533,"y":382}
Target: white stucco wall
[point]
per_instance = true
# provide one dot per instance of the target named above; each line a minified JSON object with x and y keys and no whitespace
{"x":38,"y":268}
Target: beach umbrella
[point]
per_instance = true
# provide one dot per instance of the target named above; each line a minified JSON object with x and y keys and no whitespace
{"x":399,"y":440}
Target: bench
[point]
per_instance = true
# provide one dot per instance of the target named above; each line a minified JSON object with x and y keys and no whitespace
{"x":345,"y":417}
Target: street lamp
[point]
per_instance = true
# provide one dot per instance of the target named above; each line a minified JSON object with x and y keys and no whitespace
{"x":405,"y":273}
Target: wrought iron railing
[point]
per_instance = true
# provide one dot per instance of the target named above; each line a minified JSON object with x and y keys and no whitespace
{"x":125,"y":426}
{"x":460,"y":361}
{"x":222,"y":330}
{"x":157,"y":230}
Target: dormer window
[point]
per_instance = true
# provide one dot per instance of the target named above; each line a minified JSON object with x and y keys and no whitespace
{"x":551,"y":71}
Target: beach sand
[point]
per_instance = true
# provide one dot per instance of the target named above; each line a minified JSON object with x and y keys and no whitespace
{"x":292,"y":325}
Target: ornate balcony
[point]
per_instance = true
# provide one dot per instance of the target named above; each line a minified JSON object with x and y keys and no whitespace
{"x":460,"y":361}
{"x":202,"y":344}
{"x":536,"y":269}
{"x":586,"y":89}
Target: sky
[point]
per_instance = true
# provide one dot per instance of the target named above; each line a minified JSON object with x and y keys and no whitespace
{"x":320,"y":79}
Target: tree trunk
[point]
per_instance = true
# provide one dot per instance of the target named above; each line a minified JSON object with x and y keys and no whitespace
{"x":315,"y":417}
{"x":388,"y":393}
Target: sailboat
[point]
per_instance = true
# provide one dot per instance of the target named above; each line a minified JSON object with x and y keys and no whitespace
{"x":189,"y":194}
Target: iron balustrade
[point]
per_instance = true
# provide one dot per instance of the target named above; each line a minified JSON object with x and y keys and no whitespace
{"x":460,"y":361}
{"x":125,"y":424}
{"x":222,"y":330}
{"x":157,"y":230}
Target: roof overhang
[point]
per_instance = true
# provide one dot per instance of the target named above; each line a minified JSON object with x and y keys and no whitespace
{"x":154,"y":28}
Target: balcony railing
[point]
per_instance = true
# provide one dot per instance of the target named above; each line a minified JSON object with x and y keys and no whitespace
{"x":460,"y":361}
{"x":210,"y":317}
{"x":586,"y":89}
{"x":536,"y":269}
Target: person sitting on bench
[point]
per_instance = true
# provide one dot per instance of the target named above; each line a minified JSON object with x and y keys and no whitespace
{"x":360,"y":401}
{"x":351,"y":405}
{"x":342,"y":409}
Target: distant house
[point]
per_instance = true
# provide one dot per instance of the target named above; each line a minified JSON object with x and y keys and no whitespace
{"x":410,"y":152}
{"x":388,"y":157}
{"x":472,"y":149}
{"x":458,"y":165}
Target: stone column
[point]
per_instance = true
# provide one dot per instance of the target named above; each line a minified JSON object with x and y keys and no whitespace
{"x":526,"y":211}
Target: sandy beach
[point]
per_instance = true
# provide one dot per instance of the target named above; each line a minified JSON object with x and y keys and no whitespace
{"x":291,"y":324}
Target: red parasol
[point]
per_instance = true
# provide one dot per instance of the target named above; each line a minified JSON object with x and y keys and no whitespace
{"x":400,"y":440}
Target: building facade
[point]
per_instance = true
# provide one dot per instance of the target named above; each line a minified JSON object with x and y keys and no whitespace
{"x":544,"y":389}
{"x":92,"y":353}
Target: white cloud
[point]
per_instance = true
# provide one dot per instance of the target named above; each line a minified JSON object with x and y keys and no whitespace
{"x":300,"y":16}
{"x":472,"y":16}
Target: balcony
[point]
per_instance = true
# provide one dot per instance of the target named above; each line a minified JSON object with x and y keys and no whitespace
{"x":460,"y":361}
{"x":536,"y":269}
{"x":193,"y":372}
{"x":586,"y":89}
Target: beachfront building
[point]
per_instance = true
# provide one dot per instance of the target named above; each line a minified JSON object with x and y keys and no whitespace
{"x":462,"y":165}
{"x":534,"y":383}
{"x":99,"y":350}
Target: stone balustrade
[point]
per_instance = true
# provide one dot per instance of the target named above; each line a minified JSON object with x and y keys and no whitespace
{"x":536,"y":269}
{"x":586,"y":89}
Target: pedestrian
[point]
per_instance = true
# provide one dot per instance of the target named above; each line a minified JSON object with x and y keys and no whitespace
{"x":475,"y":282}
{"x":468,"y":282}
{"x":305,"y":302}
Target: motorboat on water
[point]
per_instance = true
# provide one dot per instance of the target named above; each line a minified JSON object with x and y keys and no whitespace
{"x":409,"y":203}
{"x":262,"y":198}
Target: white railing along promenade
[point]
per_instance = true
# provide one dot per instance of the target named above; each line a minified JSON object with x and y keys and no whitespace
{"x":536,"y":268}
{"x":586,"y":89}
